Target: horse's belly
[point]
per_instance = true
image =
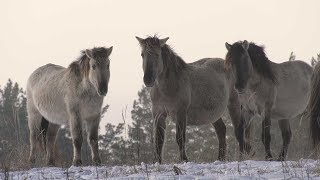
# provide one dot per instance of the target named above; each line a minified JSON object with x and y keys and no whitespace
{"x":289,"y":109}
{"x":55,"y":117}
{"x":201,"y":117}
{"x":52,"y":108}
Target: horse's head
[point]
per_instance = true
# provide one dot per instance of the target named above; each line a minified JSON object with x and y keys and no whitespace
{"x":239,"y":62}
{"x":152,"y":60}
{"x":99,"y":68}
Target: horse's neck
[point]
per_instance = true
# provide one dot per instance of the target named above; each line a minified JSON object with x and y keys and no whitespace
{"x":85,"y":86}
{"x":256,"y":81}
{"x":168,"y":79}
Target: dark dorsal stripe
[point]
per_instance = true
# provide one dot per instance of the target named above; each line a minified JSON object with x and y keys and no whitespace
{"x":260,"y":61}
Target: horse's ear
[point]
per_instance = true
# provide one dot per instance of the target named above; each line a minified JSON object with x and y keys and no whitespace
{"x":163,"y":41}
{"x":228,"y":46}
{"x":245,"y":44}
{"x":109,"y":50}
{"x":141,"y":41}
{"x":89,"y":53}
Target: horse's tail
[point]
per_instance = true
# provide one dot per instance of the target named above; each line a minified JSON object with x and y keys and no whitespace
{"x":43,"y":130}
{"x":314,"y":106}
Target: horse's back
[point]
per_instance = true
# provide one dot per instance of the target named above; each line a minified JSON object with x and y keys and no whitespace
{"x":44,"y":73}
{"x":294,"y":74}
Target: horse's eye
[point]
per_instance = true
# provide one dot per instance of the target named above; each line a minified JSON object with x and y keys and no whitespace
{"x":94,"y":67}
{"x":141,"y":54}
{"x":108,"y":66}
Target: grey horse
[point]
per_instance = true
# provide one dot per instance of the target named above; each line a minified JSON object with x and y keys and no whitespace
{"x":68,"y":96}
{"x":314,"y":109}
{"x":282,"y":90}
{"x":195,"y":93}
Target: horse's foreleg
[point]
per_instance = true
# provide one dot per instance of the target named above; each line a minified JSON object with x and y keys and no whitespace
{"x":76,"y":133}
{"x":160,"y":126}
{"x":181,"y":134}
{"x":247,"y":134}
{"x":50,"y":143}
{"x":286,"y":137}
{"x":220,"y":128}
{"x":266,"y":137}
{"x":92,"y":129}
{"x":234,"y":109}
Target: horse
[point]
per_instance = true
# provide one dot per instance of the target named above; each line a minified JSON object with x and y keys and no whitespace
{"x":313,"y":108}
{"x":195,"y":93}
{"x":281,"y":90}
{"x":68,"y":96}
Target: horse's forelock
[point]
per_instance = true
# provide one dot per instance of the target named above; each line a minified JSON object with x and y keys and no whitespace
{"x":235,"y":52}
{"x":151,"y":43}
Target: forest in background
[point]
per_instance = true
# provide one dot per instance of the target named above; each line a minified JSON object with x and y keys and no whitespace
{"x":132,"y":142}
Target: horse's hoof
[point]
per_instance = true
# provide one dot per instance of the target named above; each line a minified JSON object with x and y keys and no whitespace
{"x":221,"y":158}
{"x":185,"y":160}
{"x":97,"y":161}
{"x":269,"y":158}
{"x":281,"y":158}
{"x":51,"y":164}
{"x":77,"y":162}
{"x":32,"y":160}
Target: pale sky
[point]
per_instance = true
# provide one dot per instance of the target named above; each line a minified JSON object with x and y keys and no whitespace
{"x":37,"y":32}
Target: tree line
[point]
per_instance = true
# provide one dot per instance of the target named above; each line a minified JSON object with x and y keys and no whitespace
{"x":132,"y":142}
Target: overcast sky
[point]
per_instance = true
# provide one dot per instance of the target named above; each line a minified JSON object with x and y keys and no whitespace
{"x":37,"y":32}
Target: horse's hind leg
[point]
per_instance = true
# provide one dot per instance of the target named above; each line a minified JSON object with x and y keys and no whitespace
{"x":284,"y":125}
{"x":266,"y":137}
{"x":50,"y":143}
{"x":220,"y":128}
{"x":34,"y":123}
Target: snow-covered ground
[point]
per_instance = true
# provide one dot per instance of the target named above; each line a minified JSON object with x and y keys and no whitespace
{"x":303,"y":169}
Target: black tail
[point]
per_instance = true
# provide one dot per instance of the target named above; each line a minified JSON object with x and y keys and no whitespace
{"x":314,"y":106}
{"x":43,"y":130}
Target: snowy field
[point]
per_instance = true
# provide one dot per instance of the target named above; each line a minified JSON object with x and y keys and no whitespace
{"x":303,"y":169}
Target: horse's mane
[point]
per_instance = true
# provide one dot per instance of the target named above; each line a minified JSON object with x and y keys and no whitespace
{"x":170,"y":59}
{"x":81,"y":66}
{"x":260,"y":61}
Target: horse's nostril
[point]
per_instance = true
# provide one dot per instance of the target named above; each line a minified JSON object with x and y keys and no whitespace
{"x":148,"y":80}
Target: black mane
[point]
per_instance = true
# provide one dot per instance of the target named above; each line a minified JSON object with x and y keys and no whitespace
{"x":260,"y":61}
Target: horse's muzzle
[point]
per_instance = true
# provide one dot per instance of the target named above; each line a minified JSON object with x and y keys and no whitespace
{"x":148,"y":81}
{"x":103,"y":91}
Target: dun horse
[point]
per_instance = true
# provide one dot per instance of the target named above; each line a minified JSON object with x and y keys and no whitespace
{"x":314,"y":109}
{"x":190,"y":93}
{"x":72,"y":96}
{"x":282,"y":90}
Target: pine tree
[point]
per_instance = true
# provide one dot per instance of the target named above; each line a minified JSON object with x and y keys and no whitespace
{"x":292,"y":57}
{"x":14,"y":132}
{"x":141,"y":133}
{"x":314,"y":61}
